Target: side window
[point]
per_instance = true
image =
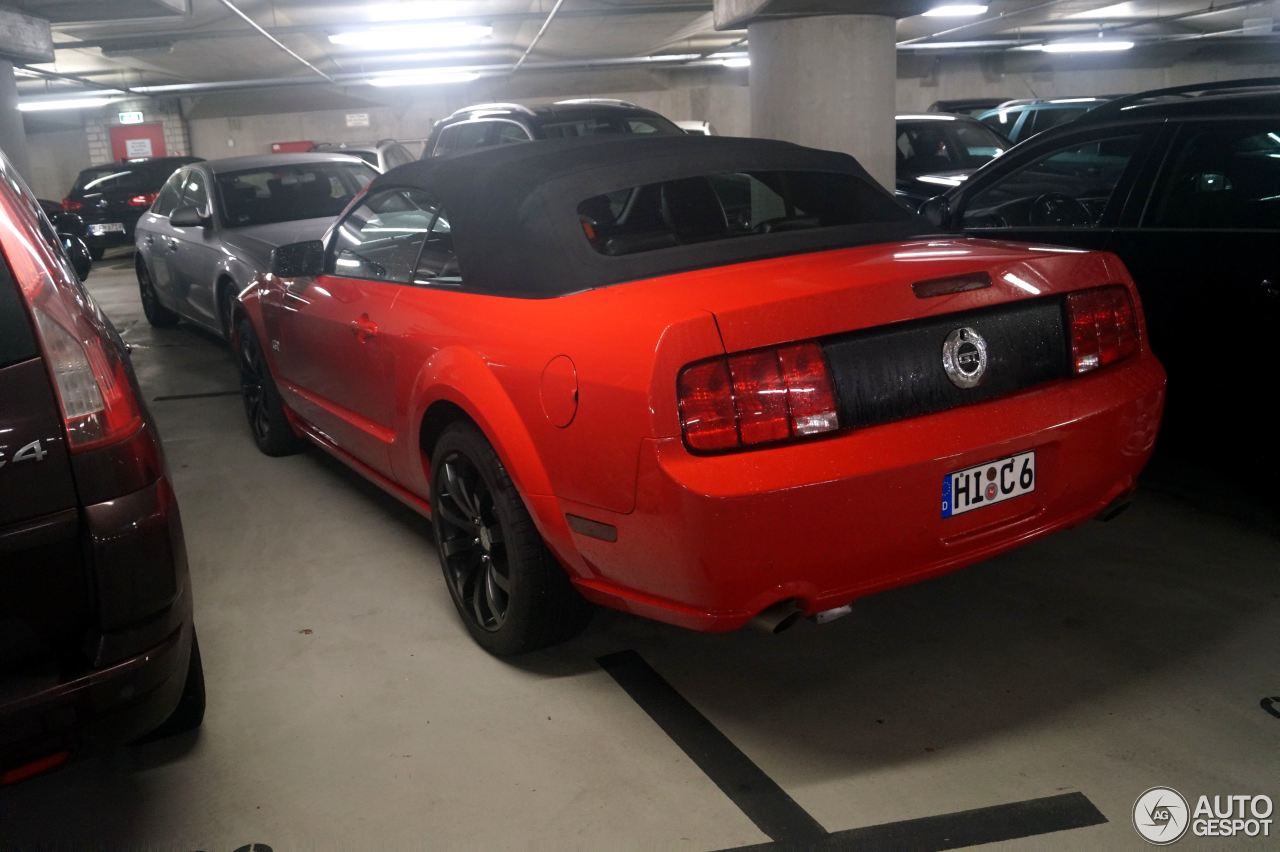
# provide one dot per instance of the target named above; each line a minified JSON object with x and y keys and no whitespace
{"x":509,"y":133}
{"x":382,"y":238}
{"x":397,"y":156}
{"x":1002,"y":121}
{"x":170,"y":195}
{"x":463,"y":137}
{"x":1069,"y":188}
{"x":195,"y":191}
{"x":437,"y":265}
{"x":1226,"y":176}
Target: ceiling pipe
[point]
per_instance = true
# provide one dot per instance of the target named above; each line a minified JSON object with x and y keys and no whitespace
{"x":234,"y":8}
{"x":537,"y":38}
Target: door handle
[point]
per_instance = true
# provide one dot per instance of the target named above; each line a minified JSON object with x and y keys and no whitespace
{"x":364,"y":328}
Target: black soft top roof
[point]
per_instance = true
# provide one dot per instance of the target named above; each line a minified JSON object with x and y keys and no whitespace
{"x":513,"y":209}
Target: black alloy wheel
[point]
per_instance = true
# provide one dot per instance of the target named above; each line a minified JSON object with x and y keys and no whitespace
{"x":472,"y":548}
{"x":262,"y":403}
{"x":511,"y":593}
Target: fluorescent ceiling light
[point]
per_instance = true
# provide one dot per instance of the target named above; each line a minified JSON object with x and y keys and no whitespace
{"x":414,"y":37}
{"x":62,"y":103}
{"x":1100,"y":45}
{"x":736,"y":62}
{"x":426,"y":77}
{"x":956,"y":10}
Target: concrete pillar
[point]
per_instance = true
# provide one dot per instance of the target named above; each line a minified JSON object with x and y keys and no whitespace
{"x":13,"y":136}
{"x":827,"y":82}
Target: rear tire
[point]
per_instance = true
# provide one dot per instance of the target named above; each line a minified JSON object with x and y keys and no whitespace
{"x":509,"y":590}
{"x":189,"y":714}
{"x":157,"y":314}
{"x":262,"y":403}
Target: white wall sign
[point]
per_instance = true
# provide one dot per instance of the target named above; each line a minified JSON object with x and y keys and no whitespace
{"x":357,"y":119}
{"x":134,"y":148}
{"x":131,"y":118}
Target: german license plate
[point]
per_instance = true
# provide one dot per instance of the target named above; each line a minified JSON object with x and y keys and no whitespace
{"x":988,"y":483}
{"x":107,"y":228}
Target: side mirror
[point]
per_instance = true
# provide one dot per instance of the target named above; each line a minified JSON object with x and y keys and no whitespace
{"x":298,"y":260}
{"x":189,"y":216}
{"x":937,"y":211}
{"x":78,"y":253}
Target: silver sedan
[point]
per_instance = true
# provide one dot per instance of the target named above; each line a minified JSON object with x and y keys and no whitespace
{"x":214,"y":224}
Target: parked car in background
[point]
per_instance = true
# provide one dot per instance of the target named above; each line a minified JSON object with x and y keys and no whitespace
{"x":596,"y":400}
{"x":936,"y":152}
{"x":71,"y":229}
{"x":383,"y":155}
{"x":112,"y":197}
{"x":96,"y":637}
{"x":697,"y":128}
{"x":213,"y":226}
{"x":1183,"y":184}
{"x":971,"y":107}
{"x":1022,"y":119}
{"x":489,"y":125}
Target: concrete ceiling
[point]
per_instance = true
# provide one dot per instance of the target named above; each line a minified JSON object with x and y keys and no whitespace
{"x":132,"y":44}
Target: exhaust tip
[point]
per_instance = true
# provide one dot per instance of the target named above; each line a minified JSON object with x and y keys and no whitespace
{"x":779,"y":617}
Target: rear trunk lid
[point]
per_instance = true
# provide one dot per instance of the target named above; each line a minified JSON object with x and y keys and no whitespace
{"x":43,"y":590}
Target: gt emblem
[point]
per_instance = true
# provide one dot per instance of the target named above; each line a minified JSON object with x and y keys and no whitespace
{"x":964,"y":357}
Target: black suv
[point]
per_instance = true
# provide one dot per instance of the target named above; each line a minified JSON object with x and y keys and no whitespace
{"x":486,"y":125}
{"x":96,"y":637}
{"x":111,"y":198}
{"x":1184,"y":185}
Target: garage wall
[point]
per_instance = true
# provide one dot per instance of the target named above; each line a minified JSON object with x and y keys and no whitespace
{"x":219,"y":127}
{"x":56,"y":157}
{"x":923,"y":79}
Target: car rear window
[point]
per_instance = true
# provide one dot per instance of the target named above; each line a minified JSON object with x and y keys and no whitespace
{"x":599,"y":125}
{"x":113,"y":178}
{"x":16,"y":341}
{"x":726,"y":206}
{"x":290,"y":192}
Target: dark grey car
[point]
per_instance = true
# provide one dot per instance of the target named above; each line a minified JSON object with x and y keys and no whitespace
{"x":214,"y":224}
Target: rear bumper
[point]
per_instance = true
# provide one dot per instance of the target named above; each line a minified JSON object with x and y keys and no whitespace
{"x":715,"y":540}
{"x":131,"y":666}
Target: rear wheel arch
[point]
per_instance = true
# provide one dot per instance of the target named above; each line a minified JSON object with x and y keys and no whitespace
{"x":224,"y":286}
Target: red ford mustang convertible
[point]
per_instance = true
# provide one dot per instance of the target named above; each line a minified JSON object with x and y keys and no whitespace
{"x":702,"y":380}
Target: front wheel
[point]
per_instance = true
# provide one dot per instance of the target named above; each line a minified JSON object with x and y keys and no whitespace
{"x":511,"y":593}
{"x":262,"y":403}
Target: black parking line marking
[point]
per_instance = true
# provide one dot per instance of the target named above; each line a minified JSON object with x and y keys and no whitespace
{"x":1011,"y":821}
{"x":208,"y":395}
{"x":747,"y":786}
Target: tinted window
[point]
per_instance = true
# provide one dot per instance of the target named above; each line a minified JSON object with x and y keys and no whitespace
{"x":606,"y":123}
{"x":1041,"y":120}
{"x":290,"y":192}
{"x":725,"y":206}
{"x":463,"y":137}
{"x":113,"y":178}
{"x":397,"y":156}
{"x":170,"y":195}
{"x":1070,"y":187}
{"x":195,"y":191}
{"x":1003,"y":120}
{"x":941,"y":145}
{"x":1224,"y":177}
{"x":383,"y":238}
{"x":509,"y":133}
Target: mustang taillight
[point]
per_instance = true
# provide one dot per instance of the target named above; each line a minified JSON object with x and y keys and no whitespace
{"x":143,"y":199}
{"x":1104,"y":327}
{"x":759,"y":397}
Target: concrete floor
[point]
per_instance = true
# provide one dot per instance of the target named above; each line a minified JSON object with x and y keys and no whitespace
{"x":348,"y":708}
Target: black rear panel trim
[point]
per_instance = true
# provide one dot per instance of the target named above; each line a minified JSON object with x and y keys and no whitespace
{"x":894,"y":372}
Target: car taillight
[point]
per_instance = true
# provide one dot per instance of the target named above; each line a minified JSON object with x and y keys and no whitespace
{"x":1104,"y":327}
{"x":753,"y":398}
{"x":71,"y":205}
{"x":143,"y":199}
{"x":92,"y":383}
